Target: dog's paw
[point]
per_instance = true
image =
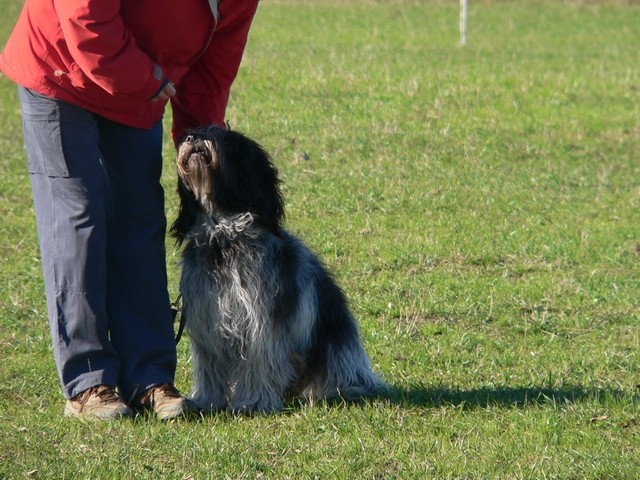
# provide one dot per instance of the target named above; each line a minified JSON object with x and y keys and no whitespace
{"x":209,"y":404}
{"x":257,"y":407}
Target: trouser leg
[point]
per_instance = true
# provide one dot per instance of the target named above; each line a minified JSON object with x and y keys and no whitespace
{"x":138,"y":304}
{"x":69,"y":192}
{"x":101,"y":225}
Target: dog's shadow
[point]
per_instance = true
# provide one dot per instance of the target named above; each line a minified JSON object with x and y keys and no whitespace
{"x":426,"y":397}
{"x":422,"y":396}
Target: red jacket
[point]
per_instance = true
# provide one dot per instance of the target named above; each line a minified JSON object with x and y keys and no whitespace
{"x":111,"y":56}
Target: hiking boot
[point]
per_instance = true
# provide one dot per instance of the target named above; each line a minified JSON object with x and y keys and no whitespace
{"x":100,"y":402}
{"x":165,"y":401}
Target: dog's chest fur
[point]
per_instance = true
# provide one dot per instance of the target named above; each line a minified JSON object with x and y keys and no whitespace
{"x":232,"y":282}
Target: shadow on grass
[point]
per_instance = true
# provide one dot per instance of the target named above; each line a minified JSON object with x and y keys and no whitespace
{"x":507,"y":397}
{"x":484,"y":397}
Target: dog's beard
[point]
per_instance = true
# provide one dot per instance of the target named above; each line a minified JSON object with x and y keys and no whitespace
{"x":195,"y":161}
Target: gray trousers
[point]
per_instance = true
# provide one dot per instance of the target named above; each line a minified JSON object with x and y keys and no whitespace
{"x":101,"y":225}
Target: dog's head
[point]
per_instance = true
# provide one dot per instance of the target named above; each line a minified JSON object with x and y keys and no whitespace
{"x":222,"y":172}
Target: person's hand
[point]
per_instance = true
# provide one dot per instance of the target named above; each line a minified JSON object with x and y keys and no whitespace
{"x":167,"y":92}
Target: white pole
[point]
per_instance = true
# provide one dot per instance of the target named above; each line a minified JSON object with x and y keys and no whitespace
{"x":463,"y":21}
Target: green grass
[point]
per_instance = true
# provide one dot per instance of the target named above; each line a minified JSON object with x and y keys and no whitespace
{"x":481,"y":208}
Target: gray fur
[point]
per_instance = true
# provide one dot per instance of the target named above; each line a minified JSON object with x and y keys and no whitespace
{"x":246,"y":359}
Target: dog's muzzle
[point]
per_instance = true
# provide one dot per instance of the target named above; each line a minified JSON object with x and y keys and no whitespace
{"x":193,"y":152}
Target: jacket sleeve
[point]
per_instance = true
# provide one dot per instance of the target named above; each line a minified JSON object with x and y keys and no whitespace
{"x":203,"y":92}
{"x":105,"y":50}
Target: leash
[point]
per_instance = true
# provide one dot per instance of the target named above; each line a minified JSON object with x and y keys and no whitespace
{"x":176,"y":311}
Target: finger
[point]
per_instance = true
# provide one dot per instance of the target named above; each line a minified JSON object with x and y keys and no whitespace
{"x":169,"y":90}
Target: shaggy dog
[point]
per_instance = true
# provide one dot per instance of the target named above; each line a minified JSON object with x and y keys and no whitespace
{"x":265,"y":318}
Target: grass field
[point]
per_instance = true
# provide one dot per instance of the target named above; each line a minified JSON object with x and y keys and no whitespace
{"x":479,"y":205}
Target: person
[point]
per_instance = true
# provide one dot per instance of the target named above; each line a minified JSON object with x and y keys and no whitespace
{"x":94,"y":78}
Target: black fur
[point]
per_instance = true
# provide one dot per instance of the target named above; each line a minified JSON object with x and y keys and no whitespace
{"x":251,"y":185}
{"x":264,"y":314}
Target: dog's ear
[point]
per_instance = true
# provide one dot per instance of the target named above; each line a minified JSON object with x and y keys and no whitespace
{"x":187,"y":213}
{"x":252,"y":180}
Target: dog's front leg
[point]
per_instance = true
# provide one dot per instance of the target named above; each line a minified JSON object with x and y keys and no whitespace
{"x":260,"y":384}
{"x":211,"y":374}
